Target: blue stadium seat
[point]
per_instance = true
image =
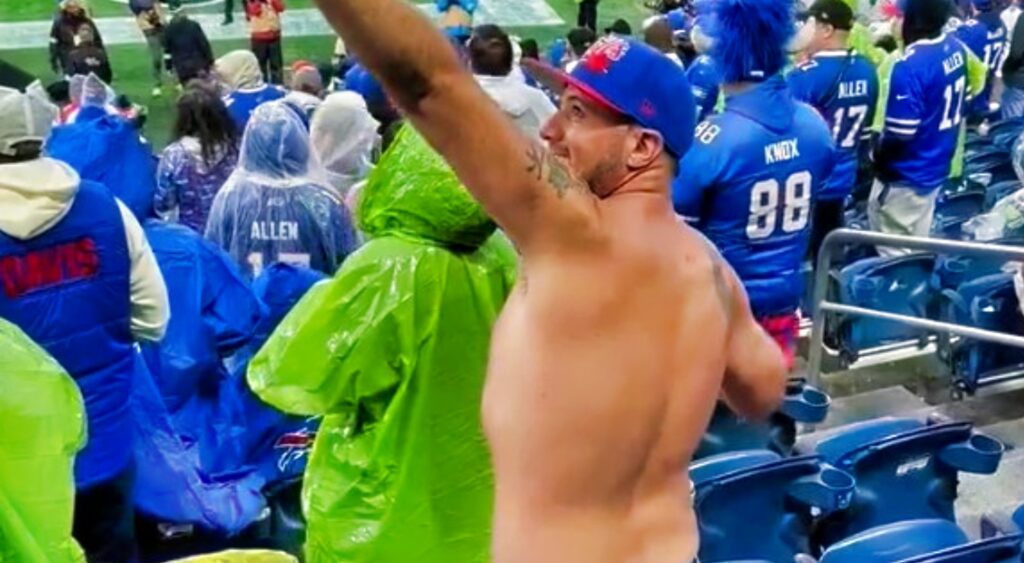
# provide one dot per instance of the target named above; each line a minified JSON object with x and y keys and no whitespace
{"x":754,"y":505}
{"x":1003,"y":134}
{"x":992,"y":160}
{"x":905,"y":470}
{"x":991,"y":303}
{"x":953,"y":210}
{"x":920,"y":541}
{"x":729,"y":433}
{"x":897,"y":285}
{"x":952,"y":271}
{"x":999,"y":190}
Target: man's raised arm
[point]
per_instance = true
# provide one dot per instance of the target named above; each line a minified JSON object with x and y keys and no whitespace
{"x":528,"y":191}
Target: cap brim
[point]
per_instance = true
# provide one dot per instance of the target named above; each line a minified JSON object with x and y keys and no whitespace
{"x":558,"y":81}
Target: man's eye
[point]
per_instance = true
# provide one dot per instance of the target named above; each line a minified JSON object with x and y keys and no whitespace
{"x":576,"y":112}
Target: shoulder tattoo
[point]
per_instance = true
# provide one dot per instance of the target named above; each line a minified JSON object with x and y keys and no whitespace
{"x":723,"y":288}
{"x":546,"y":167}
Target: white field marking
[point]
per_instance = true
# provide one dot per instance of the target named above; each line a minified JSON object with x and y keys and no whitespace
{"x":295,"y":23}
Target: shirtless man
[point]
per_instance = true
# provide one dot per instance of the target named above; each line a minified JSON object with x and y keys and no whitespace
{"x":626,"y":326}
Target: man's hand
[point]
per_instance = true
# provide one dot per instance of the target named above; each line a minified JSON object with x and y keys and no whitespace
{"x":531,"y":194}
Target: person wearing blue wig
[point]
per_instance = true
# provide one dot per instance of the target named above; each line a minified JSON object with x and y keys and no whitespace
{"x":751,"y":179}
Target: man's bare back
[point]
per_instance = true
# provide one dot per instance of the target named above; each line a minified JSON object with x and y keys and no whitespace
{"x":605,"y":368}
{"x":626,"y":327}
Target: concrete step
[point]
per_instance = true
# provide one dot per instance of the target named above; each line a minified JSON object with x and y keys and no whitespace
{"x":888,"y":401}
{"x":1001,"y":492}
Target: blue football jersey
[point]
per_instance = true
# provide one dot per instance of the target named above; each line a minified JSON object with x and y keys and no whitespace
{"x":843,"y":87}
{"x":241,"y":103}
{"x":986,"y":37}
{"x":749,"y":182}
{"x":705,"y":82}
{"x":927,"y":102}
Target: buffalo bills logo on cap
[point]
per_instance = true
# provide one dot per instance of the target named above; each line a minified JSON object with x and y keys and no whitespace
{"x":602,"y":55}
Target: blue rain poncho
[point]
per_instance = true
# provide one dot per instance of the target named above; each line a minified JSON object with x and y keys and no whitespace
{"x":108,"y":149}
{"x":277,"y":206}
{"x":190,"y":450}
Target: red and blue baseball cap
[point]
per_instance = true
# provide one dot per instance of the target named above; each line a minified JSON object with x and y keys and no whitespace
{"x":634,"y":80}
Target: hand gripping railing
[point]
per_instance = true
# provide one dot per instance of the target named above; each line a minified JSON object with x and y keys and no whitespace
{"x":844,"y":237}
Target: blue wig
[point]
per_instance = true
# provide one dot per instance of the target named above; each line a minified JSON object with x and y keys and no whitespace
{"x":749,"y":37}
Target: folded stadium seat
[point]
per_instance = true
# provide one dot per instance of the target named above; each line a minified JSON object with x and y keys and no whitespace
{"x":729,"y":433}
{"x":1003,"y":134}
{"x":934,"y":541}
{"x":952,"y":271}
{"x":898,"y":285}
{"x":905,"y":470}
{"x":990,"y":160}
{"x":991,"y":303}
{"x":999,"y":190}
{"x":756,"y":505}
{"x":953,"y":210}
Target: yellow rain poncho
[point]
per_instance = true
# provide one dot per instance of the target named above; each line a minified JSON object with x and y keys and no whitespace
{"x":42,"y":427}
{"x":393,"y":352}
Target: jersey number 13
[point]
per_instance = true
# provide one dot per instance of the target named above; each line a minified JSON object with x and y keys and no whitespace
{"x":766,"y":206}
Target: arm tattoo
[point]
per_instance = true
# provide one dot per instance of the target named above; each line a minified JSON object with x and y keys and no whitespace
{"x":722,"y":287}
{"x":544,"y":166}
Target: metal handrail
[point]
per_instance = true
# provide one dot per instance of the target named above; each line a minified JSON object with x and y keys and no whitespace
{"x":843,"y":237}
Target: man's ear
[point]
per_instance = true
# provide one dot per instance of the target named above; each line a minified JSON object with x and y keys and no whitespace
{"x":647,"y":146}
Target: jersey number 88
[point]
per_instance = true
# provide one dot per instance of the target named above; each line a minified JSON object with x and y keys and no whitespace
{"x":765,"y":206}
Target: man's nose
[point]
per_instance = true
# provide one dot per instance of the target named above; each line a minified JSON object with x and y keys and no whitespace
{"x":551,"y":132}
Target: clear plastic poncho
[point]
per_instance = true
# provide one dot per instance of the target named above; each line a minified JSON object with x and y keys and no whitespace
{"x":344,"y":137}
{"x":42,"y":417}
{"x":393,"y":351}
{"x":277,"y":205}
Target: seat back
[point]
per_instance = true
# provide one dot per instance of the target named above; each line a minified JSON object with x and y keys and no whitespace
{"x":896,"y":542}
{"x":906,"y":475}
{"x":953,"y":210}
{"x":751,"y":510}
{"x":991,"y":303}
{"x":999,"y":190}
{"x":952,"y":271}
{"x":898,"y":285}
{"x":1003,"y":549}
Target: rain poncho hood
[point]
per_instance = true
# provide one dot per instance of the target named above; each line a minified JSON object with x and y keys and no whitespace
{"x":393,"y":351}
{"x":107,"y":149}
{"x":35,"y":195}
{"x":277,"y":205}
{"x":344,"y":137}
{"x":417,"y":197}
{"x":239,"y":70}
{"x":43,"y":417}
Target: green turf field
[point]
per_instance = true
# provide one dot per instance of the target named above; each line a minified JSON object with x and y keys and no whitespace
{"x":131,"y":62}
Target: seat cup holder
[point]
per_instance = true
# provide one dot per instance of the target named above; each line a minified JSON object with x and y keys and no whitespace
{"x":979,"y":454}
{"x":830,"y":490}
{"x":807,"y":405}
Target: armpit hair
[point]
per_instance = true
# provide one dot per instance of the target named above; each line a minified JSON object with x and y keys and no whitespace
{"x":410,"y":85}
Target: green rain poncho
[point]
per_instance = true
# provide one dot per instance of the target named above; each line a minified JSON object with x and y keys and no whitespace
{"x":42,"y":427}
{"x":393,"y":352}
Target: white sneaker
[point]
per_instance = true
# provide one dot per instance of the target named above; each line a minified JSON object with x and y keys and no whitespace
{"x":157,"y":92}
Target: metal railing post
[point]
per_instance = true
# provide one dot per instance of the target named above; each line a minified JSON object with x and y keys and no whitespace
{"x":842,"y":237}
